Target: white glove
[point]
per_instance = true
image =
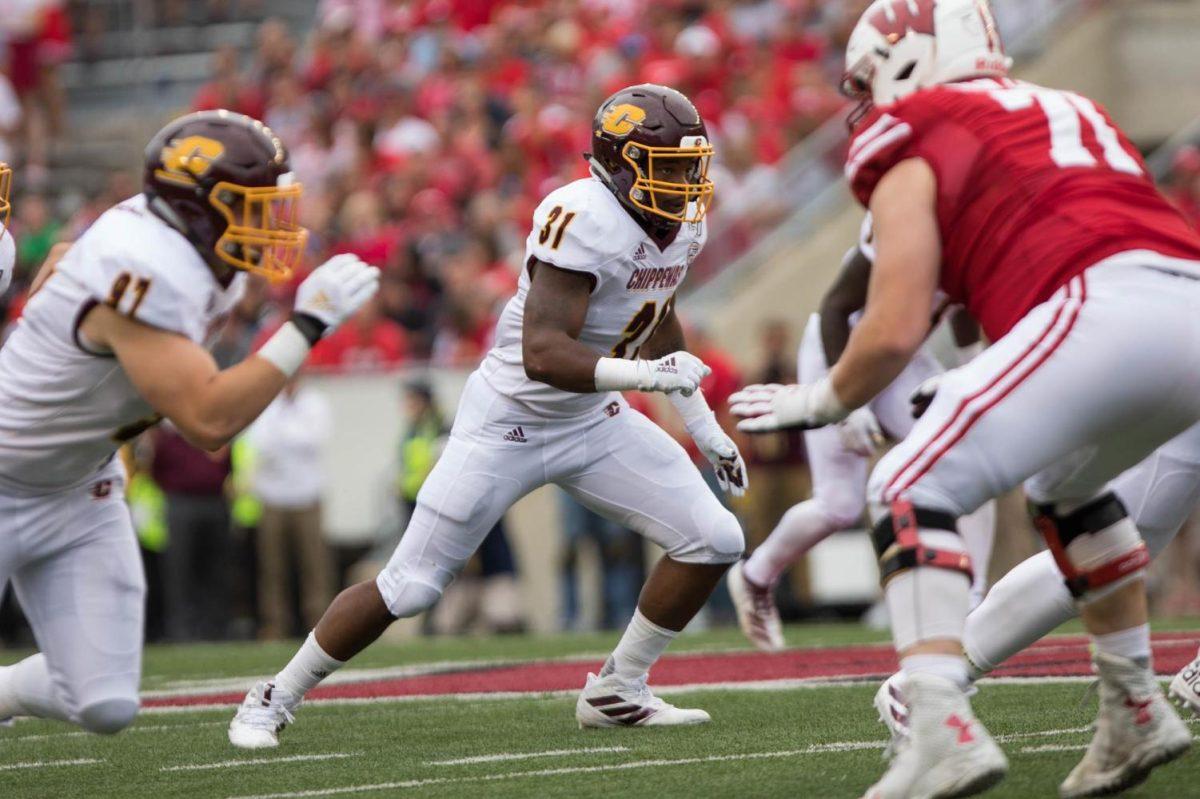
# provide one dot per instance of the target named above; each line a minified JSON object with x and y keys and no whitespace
{"x":766,"y":408}
{"x":680,"y":371}
{"x":711,"y":440}
{"x":922,"y":395}
{"x":8,"y":259}
{"x":336,"y":290}
{"x":860,"y":432}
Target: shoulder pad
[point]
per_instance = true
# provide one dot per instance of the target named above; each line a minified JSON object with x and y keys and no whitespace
{"x":579,"y":227}
{"x":131,"y":261}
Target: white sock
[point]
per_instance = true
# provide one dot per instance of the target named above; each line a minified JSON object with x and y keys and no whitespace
{"x":927,"y":603}
{"x":26,"y":689}
{"x":642,"y":644}
{"x":1023,"y":606}
{"x":1133,"y":643}
{"x":307,"y":667}
{"x":799,"y":530}
{"x":949,"y":667}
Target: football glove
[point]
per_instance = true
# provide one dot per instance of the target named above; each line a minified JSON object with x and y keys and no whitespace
{"x":860,"y":432}
{"x":922,"y":396}
{"x":713,"y":442}
{"x":770,"y":407}
{"x":333,"y":293}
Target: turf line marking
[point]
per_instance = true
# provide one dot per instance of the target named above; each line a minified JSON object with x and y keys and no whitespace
{"x":82,"y":761}
{"x":1033,"y":750}
{"x":83,"y":734}
{"x":260,"y":761}
{"x":463,"y":761}
{"x":843,"y":746}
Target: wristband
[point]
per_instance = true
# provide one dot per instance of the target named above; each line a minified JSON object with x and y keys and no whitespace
{"x":312,"y":328}
{"x":618,"y":374}
{"x":287,"y":349}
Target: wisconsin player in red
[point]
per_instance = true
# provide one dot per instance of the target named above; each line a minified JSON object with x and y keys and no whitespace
{"x":1028,"y":206}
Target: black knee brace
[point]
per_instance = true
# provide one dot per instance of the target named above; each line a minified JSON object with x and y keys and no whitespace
{"x":1098,"y":515}
{"x":899,"y":548}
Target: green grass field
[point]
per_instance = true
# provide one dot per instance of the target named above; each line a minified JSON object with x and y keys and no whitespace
{"x":809,"y":742}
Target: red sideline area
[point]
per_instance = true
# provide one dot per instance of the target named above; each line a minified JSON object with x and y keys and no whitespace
{"x":1055,"y":657}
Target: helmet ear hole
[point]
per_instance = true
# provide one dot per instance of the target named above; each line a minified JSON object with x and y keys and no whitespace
{"x":907,"y":71}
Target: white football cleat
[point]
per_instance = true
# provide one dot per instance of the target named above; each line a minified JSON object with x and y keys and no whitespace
{"x":893,"y":712}
{"x":608,"y":702}
{"x":947,"y":753}
{"x":756,"y":612}
{"x":1136,"y":730}
{"x":265,"y":711}
{"x":1185,"y":688}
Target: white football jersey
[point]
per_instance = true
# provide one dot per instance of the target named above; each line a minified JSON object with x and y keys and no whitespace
{"x":66,"y":408}
{"x":582,"y":227}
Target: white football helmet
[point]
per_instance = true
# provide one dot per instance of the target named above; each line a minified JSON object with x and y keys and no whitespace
{"x":900,"y":46}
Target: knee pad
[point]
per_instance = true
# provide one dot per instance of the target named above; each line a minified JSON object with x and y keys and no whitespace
{"x":899,"y":545}
{"x":109,"y":716}
{"x":404,"y":596}
{"x":720,"y":540}
{"x":1096,"y":546}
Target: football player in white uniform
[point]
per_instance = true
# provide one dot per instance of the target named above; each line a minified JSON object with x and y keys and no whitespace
{"x":593,"y":315}
{"x":111,"y":343}
{"x":839,"y":455}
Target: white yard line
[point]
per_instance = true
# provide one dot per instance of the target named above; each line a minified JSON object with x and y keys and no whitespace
{"x":463,"y":761}
{"x":49,"y":736}
{"x":836,"y":746}
{"x":82,"y":761}
{"x":260,"y":761}
{"x":844,"y":746}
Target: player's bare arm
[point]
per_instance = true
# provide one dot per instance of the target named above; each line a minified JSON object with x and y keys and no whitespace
{"x":895,"y":320}
{"x":555,"y":311}
{"x":847,"y":295}
{"x":180,"y":379}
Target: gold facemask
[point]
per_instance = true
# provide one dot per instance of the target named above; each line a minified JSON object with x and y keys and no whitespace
{"x":696,"y":193}
{"x":263,"y":235}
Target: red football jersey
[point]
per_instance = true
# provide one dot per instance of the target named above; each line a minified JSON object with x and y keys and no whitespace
{"x":1034,"y":186}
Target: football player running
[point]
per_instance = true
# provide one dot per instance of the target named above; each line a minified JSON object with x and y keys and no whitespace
{"x":111,"y":343}
{"x":838,"y":456}
{"x":1030,"y":208}
{"x":594,"y":315}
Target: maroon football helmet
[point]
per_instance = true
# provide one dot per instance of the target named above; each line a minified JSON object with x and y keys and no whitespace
{"x":223,"y":180}
{"x":650,"y":147}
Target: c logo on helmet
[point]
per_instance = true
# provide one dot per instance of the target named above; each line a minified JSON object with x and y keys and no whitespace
{"x":186,"y":159}
{"x":620,"y":120}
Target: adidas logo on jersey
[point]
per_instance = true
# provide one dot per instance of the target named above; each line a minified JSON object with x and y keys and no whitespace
{"x":516,"y":434}
{"x":640,"y":255}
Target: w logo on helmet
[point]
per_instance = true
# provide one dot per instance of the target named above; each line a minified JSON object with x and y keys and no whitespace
{"x":189,"y":158}
{"x":620,"y":120}
{"x":897,"y":18}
